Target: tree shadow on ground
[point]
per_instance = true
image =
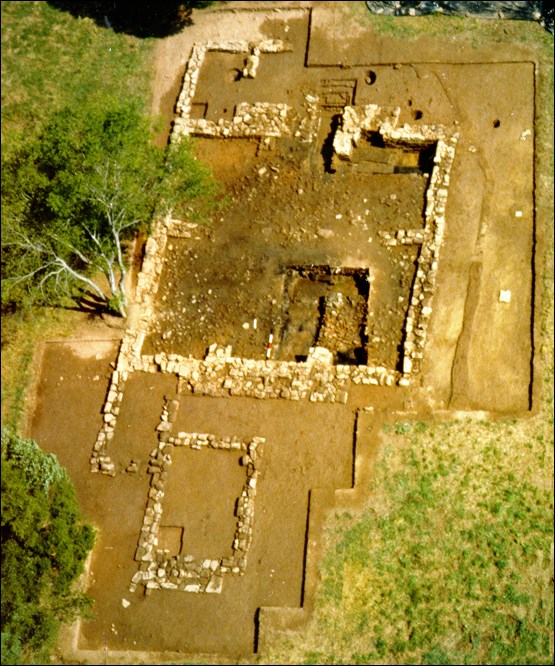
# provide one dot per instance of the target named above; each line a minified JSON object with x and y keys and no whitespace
{"x":89,"y":304}
{"x":95,"y":309}
{"x":140,"y":19}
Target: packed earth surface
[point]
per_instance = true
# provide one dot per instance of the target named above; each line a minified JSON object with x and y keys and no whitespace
{"x":207,"y":438}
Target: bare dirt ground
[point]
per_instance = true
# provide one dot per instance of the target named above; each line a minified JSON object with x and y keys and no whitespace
{"x":288,"y":209}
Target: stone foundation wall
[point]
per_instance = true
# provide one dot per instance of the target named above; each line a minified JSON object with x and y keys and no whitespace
{"x":220,"y":374}
{"x":424,"y":285}
{"x":310,"y":123}
{"x":261,"y":119}
{"x":129,"y":352}
{"x":357,"y":123}
{"x":158,"y":569}
{"x":317,"y":379}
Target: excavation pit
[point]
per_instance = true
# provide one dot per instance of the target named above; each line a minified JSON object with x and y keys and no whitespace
{"x":373,"y":156}
{"x":326,"y":307}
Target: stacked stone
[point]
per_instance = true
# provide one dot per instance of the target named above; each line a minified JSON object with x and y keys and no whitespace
{"x":179,"y":573}
{"x":149,"y":277}
{"x":322,"y":384}
{"x":346,"y":135}
{"x":310,"y":123}
{"x":128,"y":358}
{"x":420,"y":307}
{"x":100,"y":461}
{"x":410,"y":136}
{"x":183,"y":572}
{"x":160,"y":460}
{"x":245,"y":511}
{"x":221,"y":375}
{"x":202,"y":440}
{"x":261,"y":119}
{"x":190,"y":80}
{"x":373,"y":375}
{"x":357,"y":123}
{"x":273,"y":46}
{"x":237,"y":46}
{"x":251,"y":64}
{"x":403,"y":237}
{"x":243,"y":46}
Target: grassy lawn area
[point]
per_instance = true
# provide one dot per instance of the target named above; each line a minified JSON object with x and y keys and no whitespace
{"x":451,"y":560}
{"x":50,"y":60}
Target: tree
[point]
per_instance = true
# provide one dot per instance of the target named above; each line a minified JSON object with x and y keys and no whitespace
{"x":73,"y":199}
{"x":44,"y":548}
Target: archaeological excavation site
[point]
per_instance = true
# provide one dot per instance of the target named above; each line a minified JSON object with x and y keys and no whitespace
{"x":374,"y":260}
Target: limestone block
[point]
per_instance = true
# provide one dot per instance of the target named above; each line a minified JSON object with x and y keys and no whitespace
{"x":343,"y":145}
{"x":215,"y":584}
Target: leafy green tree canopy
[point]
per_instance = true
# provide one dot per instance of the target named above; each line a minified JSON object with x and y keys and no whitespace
{"x":44,"y":548}
{"x":73,"y":198}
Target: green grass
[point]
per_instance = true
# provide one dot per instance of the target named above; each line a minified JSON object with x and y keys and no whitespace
{"x":464,"y":30}
{"x":450,"y":560}
{"x":50,"y":59}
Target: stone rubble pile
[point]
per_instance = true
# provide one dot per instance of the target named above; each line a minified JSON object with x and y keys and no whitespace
{"x":159,"y":570}
{"x":341,"y":322}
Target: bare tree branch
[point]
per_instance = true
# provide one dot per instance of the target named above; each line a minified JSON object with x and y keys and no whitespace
{"x":39,"y":249}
